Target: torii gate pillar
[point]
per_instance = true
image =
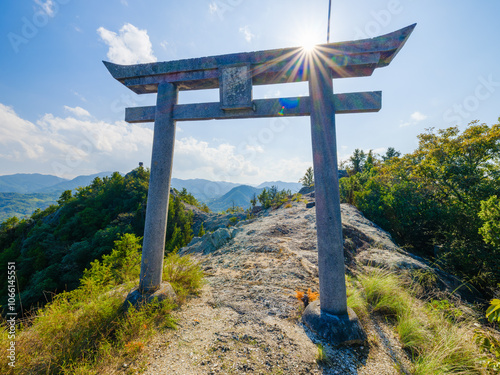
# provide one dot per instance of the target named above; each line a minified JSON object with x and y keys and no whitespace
{"x":162,"y":158}
{"x":235,"y":74}
{"x":326,"y":191}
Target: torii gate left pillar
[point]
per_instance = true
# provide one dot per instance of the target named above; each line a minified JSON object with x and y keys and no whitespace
{"x":235,"y":75}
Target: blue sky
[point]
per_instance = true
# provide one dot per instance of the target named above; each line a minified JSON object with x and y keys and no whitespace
{"x":62,"y":113}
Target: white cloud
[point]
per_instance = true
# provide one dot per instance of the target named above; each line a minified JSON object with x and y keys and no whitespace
{"x":194,"y":158}
{"x":164,"y":44}
{"x":415,"y":118}
{"x":79,"y":144}
{"x":130,"y":46}
{"x":245,"y":30}
{"x":212,"y":7}
{"x":285,"y":169}
{"x":254,"y":148}
{"x":47,"y":6}
{"x":77,"y":111}
{"x":124,"y":2}
{"x":70,"y":146}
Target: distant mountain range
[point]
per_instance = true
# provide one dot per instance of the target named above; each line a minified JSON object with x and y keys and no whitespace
{"x":21,"y":194}
{"x":238,"y":196}
{"x":203,"y":190}
{"x":242,"y":194}
{"x":24,"y":183}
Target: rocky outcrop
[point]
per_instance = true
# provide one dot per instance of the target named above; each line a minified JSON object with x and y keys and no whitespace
{"x":210,"y":241}
{"x":246,"y":319}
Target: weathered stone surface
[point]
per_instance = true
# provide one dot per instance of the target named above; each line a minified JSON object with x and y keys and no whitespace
{"x":155,"y":227}
{"x":331,"y":266}
{"x":335,"y":329}
{"x":353,"y":217}
{"x":345,"y":59}
{"x":390,"y":260}
{"x":235,"y":87}
{"x":136,"y":298}
{"x":210,"y":241}
{"x":220,"y":237}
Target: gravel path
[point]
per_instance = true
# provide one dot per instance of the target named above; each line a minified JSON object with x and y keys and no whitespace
{"x":247,"y":320}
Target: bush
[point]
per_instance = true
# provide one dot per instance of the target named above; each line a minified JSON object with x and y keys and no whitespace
{"x":443,"y":195}
{"x":85,"y":330}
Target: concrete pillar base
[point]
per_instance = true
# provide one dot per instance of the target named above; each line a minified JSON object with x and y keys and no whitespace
{"x":136,"y":298}
{"x":335,"y":329}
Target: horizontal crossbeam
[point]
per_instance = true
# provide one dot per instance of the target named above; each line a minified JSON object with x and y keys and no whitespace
{"x":357,"y":102}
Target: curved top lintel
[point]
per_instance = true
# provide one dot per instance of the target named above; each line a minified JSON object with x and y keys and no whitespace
{"x":387,"y":46}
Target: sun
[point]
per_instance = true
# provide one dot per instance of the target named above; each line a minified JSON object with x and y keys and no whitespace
{"x":308,"y":41}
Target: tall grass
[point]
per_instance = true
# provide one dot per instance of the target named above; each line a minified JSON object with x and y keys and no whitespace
{"x":86,"y":330}
{"x":435,"y":344}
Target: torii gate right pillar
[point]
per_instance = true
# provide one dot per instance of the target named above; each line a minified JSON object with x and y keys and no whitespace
{"x":329,"y":317}
{"x":326,"y":185}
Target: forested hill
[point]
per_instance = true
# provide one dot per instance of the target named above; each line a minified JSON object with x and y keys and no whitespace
{"x":54,"y":246}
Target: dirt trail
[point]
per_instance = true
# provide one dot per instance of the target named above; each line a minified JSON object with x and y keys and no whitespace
{"x":247,"y":320}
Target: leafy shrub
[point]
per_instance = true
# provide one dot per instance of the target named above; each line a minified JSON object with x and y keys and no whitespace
{"x":443,"y":194}
{"x":85,"y":330}
{"x":273,"y":197}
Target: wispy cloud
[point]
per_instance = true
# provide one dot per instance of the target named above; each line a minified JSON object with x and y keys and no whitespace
{"x":47,"y":6}
{"x":130,"y":46}
{"x":212,"y":7}
{"x":245,"y":30}
{"x":415,"y":118}
{"x":77,"y":111}
{"x":80,"y":96}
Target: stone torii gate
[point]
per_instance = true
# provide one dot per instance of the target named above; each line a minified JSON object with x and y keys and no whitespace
{"x":234,"y":75}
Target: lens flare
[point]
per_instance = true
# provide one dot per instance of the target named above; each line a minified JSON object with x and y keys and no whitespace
{"x":308,"y":41}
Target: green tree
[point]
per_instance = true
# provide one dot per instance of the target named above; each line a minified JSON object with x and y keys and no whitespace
{"x":308,"y":179}
{"x":490,"y":214}
{"x":253,"y":201}
{"x":357,"y":161}
{"x":264,"y":199}
{"x":65,"y":196}
{"x":53,"y":247}
{"x":432,"y":197}
{"x":391,"y":153}
{"x":201,"y":232}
